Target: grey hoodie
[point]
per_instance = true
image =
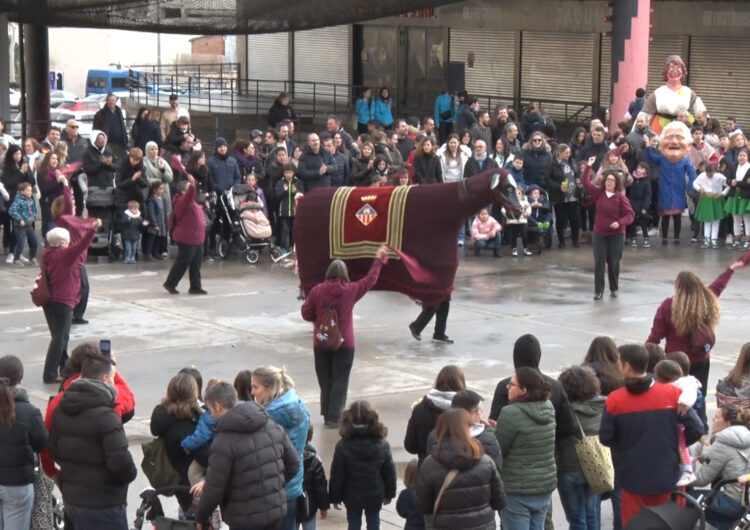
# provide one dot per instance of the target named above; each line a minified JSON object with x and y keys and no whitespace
{"x":727,"y":457}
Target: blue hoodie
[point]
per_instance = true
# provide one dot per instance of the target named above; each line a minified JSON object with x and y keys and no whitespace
{"x":290,"y":412}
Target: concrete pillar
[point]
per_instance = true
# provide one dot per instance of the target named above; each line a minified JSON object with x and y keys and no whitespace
{"x":630,"y":38}
{"x":36,"y":59}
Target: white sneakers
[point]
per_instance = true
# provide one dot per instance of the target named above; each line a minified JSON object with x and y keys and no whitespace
{"x":9,"y":259}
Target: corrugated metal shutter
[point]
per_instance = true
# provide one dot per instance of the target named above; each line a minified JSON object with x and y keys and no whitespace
{"x":661,"y":47}
{"x":605,"y":78}
{"x":268,"y":61}
{"x":491,"y":76}
{"x":720,"y":76}
{"x":322,"y":56}
{"x":557,"y":66}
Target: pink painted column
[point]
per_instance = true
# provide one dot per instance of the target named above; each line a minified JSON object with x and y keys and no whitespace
{"x":630,"y":39}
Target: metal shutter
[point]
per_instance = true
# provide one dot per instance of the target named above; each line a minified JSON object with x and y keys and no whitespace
{"x":322,"y":56}
{"x":268,"y":60}
{"x":661,"y":47}
{"x":557,"y":66}
{"x":492,"y":72}
{"x":720,"y":76}
{"x":605,"y":79}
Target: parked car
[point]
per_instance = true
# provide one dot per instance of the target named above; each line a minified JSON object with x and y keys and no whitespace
{"x":81,"y":104}
{"x":56,"y":97}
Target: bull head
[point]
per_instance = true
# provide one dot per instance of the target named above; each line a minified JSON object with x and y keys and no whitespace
{"x":505,"y":190}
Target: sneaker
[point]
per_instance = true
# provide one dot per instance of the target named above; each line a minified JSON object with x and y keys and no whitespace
{"x":613,"y":294}
{"x":34,"y":261}
{"x":19,"y":263}
{"x":653,"y":231}
{"x":514,"y":252}
{"x":729,"y":240}
{"x":633,"y":242}
{"x":197,"y":291}
{"x":706,"y":244}
{"x":442,"y":340}
{"x":598,"y":296}
{"x":414,"y":332}
{"x":80,"y":321}
{"x":460,"y":242}
{"x":714,"y":243}
{"x":746,"y":246}
{"x":23,"y":260}
{"x":694,"y":239}
{"x":646,"y":243}
{"x":9,"y":259}
{"x":164,"y":255}
{"x":526,"y":252}
{"x":688,"y":477}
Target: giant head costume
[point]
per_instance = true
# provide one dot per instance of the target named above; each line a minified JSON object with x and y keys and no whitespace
{"x":674,"y":141}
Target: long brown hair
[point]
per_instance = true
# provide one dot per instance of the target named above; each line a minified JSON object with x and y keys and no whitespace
{"x":741,"y":367}
{"x":11,"y":373}
{"x":361,"y":413}
{"x":181,"y":400}
{"x":694,"y":307}
{"x":602,"y":356}
{"x":455,"y":424}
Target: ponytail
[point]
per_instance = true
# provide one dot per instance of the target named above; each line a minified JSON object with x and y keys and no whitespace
{"x":11,"y":373}
{"x":735,"y":415}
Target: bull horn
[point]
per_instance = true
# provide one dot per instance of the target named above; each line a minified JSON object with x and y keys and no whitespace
{"x":495,"y":182}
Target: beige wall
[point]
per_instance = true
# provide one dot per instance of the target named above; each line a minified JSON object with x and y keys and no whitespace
{"x":74,"y":51}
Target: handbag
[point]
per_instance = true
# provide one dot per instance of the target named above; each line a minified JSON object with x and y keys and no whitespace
{"x":446,"y":482}
{"x":42,"y":510}
{"x":156,"y":465}
{"x":40,"y":293}
{"x":596,"y":462}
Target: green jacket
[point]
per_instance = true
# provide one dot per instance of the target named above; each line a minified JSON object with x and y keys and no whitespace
{"x":526,"y":432}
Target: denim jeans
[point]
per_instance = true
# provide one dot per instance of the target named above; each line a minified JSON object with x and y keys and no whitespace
{"x":289,"y":522}
{"x":15,"y":505}
{"x":308,"y":525}
{"x":111,"y":518}
{"x":130,"y":248}
{"x":723,"y":511}
{"x":354,"y":518}
{"x":59,"y":319}
{"x":493,"y":243}
{"x":525,"y":511}
{"x":581,"y":505}
{"x":23,"y":234}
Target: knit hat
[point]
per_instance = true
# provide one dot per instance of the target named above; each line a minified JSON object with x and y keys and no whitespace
{"x":255,"y":133}
{"x":527,"y":351}
{"x":57,"y":236}
{"x":220,"y":142}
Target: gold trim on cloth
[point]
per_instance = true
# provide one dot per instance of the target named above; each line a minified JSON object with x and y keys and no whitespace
{"x":365,"y":249}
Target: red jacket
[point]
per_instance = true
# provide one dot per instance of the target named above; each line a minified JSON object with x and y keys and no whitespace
{"x":664,"y":328}
{"x":608,"y":209}
{"x":190,"y":223}
{"x":124,"y":406}
{"x":343,"y":295}
{"x":63,"y":276}
{"x":77,"y":226}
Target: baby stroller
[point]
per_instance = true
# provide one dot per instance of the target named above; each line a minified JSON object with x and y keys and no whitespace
{"x":243,"y":223}
{"x":101,"y":204}
{"x":152,"y":511}
{"x":672,"y":516}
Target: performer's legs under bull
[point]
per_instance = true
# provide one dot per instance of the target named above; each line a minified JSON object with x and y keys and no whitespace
{"x":441,"y":320}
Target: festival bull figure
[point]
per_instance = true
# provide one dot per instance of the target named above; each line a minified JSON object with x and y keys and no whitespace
{"x":420,"y":221}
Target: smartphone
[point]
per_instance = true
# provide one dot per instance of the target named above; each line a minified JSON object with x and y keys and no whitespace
{"x":105,"y":346}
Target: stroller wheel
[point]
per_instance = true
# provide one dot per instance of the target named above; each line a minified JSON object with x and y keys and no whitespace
{"x":275,"y":253}
{"x":548,"y":239}
{"x":222,"y":249}
{"x":252,"y":257}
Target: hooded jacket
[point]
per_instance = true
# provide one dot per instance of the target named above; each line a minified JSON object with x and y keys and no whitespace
{"x":225,"y":171}
{"x":727,"y":457}
{"x":99,"y":174}
{"x":423,"y":420}
{"x":290,"y":412}
{"x":589,"y":414}
{"x":526,"y":432}
{"x":362,"y":473}
{"x":18,"y":444}
{"x":88,"y":442}
{"x":251,"y":459}
{"x":342,"y":295}
{"x":471,"y":499}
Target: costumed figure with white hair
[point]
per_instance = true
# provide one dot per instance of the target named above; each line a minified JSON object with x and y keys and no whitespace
{"x":674,"y":164}
{"x":666,"y":102}
{"x":61,"y":273}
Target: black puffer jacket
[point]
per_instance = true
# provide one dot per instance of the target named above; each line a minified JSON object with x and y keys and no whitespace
{"x":361,"y":174}
{"x":314,"y":482}
{"x":89,"y":444}
{"x":427,"y":169}
{"x":471,"y":499}
{"x":362,"y":473}
{"x":19,"y":443}
{"x":173,"y":430}
{"x":251,"y":459}
{"x":423,"y":419}
{"x":484,"y":435}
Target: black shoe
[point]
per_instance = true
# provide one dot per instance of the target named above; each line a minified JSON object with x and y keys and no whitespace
{"x":576,"y":244}
{"x":80,"y":321}
{"x":598,"y":296}
{"x":147,"y":258}
{"x":197,"y":291}
{"x":613,"y":294}
{"x":561,"y":244}
{"x":170,"y":289}
{"x":331,"y":424}
{"x":442,"y":340}
{"x":56,"y":380}
{"x":414,"y":332}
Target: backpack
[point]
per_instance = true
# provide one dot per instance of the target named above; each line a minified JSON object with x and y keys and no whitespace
{"x":156,"y":465}
{"x":327,"y":334}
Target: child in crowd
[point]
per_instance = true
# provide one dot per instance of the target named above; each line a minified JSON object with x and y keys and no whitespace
{"x":669,"y":372}
{"x":155,"y":239}
{"x":315,"y":485}
{"x":403,"y":179}
{"x":710,"y":209}
{"x":516,"y":170}
{"x":132,"y":225}
{"x":23,"y":213}
{"x":516,"y":222}
{"x":287,"y":190}
{"x":639,"y":193}
{"x":738,"y":203}
{"x":381,"y":174}
{"x":406,"y":505}
{"x":541,"y":211}
{"x":252,"y":180}
{"x":362,"y":483}
{"x":485,"y":232}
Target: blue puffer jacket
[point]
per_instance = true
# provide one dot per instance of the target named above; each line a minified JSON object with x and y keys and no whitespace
{"x":290,"y":412}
